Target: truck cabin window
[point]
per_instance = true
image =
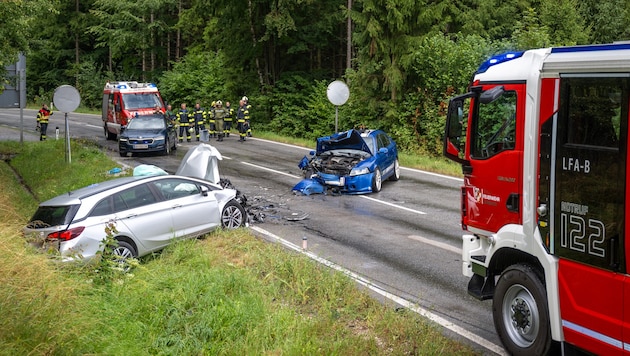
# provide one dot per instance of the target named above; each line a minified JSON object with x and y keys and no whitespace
{"x":594,"y":111}
{"x":494,"y":125}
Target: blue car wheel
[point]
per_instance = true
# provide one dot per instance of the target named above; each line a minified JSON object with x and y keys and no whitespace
{"x":377,"y":180}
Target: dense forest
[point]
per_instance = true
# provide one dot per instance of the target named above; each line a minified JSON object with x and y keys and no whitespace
{"x":402,"y":59}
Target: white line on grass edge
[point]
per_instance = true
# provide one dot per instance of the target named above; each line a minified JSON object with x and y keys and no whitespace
{"x":401,"y":301}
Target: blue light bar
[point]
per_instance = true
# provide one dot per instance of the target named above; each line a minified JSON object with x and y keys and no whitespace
{"x":152,"y":85}
{"x":498,"y":59}
{"x":121,"y":86}
{"x":590,"y":48}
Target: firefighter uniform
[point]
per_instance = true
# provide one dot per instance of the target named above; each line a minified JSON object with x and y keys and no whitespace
{"x":184,"y":120}
{"x":42,"y":121}
{"x":248,"y":119}
{"x":199,"y":118}
{"x":219,"y":114}
{"x":212,"y":127}
{"x":242,"y":119}
{"x":227,"y":121}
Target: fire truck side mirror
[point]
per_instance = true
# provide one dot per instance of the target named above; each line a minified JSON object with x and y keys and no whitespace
{"x":455,"y":132}
{"x":491,"y":95}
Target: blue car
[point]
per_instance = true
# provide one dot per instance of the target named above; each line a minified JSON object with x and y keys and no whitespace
{"x":351,"y":162}
{"x":148,"y":133}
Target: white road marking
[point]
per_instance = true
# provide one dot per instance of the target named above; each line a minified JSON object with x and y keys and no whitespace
{"x":438,"y":244}
{"x":393,"y":205}
{"x":401,"y":301}
{"x":270,"y":170}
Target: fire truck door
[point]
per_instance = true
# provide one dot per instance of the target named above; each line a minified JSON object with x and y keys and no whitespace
{"x":583,"y":170}
{"x":493,"y":184}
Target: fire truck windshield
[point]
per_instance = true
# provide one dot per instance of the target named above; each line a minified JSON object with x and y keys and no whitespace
{"x":135,"y":101}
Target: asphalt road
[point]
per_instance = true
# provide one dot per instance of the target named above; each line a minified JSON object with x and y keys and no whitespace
{"x":404,"y":240}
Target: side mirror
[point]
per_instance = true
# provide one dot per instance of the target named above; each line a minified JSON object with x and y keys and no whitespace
{"x":204,"y":190}
{"x":312,"y":153}
{"x":383,"y":150}
{"x":491,"y":95}
{"x":455,"y":130}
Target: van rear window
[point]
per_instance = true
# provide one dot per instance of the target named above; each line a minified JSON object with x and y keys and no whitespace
{"x":53,"y":216}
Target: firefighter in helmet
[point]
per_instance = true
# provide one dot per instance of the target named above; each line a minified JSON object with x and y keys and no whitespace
{"x":42,"y":121}
{"x":242,"y":119}
{"x":219,"y":114}
{"x":184,"y":119}
{"x":248,"y":119}
{"x":227,"y":121}
{"x":212,"y":128}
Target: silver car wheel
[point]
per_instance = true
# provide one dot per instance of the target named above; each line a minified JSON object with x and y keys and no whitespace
{"x":233,"y":215}
{"x":377,"y":181}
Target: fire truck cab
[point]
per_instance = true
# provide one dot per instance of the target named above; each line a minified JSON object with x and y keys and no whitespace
{"x":122,"y":101}
{"x":542,"y":137}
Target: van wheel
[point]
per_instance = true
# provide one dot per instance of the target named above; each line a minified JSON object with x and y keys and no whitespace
{"x":519,"y":310}
{"x":108,"y":135}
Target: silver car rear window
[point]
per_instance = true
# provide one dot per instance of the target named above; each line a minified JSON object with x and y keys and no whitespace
{"x":53,"y":216}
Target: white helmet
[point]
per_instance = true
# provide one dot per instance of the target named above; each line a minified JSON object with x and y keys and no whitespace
{"x":244,"y":98}
{"x":219,"y":103}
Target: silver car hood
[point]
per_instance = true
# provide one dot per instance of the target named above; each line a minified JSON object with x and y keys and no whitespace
{"x":201,"y":162}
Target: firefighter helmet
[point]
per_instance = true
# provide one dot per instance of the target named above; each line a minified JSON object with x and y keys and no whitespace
{"x":219,"y":103}
{"x":245,"y":98}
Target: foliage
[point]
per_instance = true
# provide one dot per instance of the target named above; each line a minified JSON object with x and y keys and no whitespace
{"x":197,"y":77}
{"x":230,"y":291}
{"x":281,"y":53}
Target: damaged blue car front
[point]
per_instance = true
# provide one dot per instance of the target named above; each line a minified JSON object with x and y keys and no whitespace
{"x":350,"y":162}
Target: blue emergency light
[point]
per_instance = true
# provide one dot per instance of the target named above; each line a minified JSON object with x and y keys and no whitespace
{"x":498,"y":59}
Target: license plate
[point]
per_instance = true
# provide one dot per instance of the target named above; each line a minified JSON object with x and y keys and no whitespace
{"x":140,"y":147}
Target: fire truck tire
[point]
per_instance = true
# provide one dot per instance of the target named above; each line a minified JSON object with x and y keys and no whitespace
{"x":377,"y":181}
{"x":519,"y":310}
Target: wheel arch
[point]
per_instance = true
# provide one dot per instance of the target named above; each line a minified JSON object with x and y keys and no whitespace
{"x":129,"y":241}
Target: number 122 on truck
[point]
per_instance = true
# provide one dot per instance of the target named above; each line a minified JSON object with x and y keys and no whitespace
{"x":542,"y":137}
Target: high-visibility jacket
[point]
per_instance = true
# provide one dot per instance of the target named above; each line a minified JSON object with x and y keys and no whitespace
{"x":43,"y":115}
{"x":183,"y":117}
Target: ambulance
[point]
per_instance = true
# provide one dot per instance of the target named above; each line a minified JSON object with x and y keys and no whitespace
{"x":122,"y":101}
{"x":542,"y":137}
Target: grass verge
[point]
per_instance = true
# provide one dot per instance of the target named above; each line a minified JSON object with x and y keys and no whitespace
{"x":227,"y":294}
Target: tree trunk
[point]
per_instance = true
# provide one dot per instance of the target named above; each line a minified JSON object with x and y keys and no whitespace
{"x":349,"y":38}
{"x":254,"y":42}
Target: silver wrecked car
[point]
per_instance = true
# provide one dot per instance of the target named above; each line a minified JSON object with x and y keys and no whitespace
{"x":148,"y":213}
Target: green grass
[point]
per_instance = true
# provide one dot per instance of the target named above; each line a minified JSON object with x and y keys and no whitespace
{"x":228,"y":294}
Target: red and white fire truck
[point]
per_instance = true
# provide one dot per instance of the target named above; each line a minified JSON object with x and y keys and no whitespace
{"x":124,"y":100}
{"x":542,"y":136}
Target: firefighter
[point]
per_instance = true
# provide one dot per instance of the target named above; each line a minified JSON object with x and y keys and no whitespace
{"x":42,"y":121}
{"x":212,"y":129}
{"x":184,"y":119}
{"x":199,"y":119}
{"x":247,"y":118}
{"x":241,"y":114}
{"x":219,"y":114}
{"x":227,"y":121}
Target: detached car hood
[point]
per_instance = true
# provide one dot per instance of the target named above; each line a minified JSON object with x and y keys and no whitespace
{"x":350,"y":139}
{"x":201,"y":162}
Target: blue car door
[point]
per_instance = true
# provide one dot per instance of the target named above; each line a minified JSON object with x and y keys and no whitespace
{"x":385,"y":154}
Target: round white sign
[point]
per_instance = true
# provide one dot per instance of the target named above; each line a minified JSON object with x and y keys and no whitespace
{"x":338,"y":92}
{"x":66,"y":98}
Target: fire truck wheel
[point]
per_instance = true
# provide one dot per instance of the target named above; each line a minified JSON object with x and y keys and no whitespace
{"x":377,"y":180}
{"x":520,"y":313}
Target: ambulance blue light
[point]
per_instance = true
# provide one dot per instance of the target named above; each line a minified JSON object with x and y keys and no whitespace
{"x":121,"y":86}
{"x":498,"y":59}
{"x":152,"y":85}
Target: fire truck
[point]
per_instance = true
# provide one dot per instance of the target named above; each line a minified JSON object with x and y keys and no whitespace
{"x":124,"y":100}
{"x":542,"y":138}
